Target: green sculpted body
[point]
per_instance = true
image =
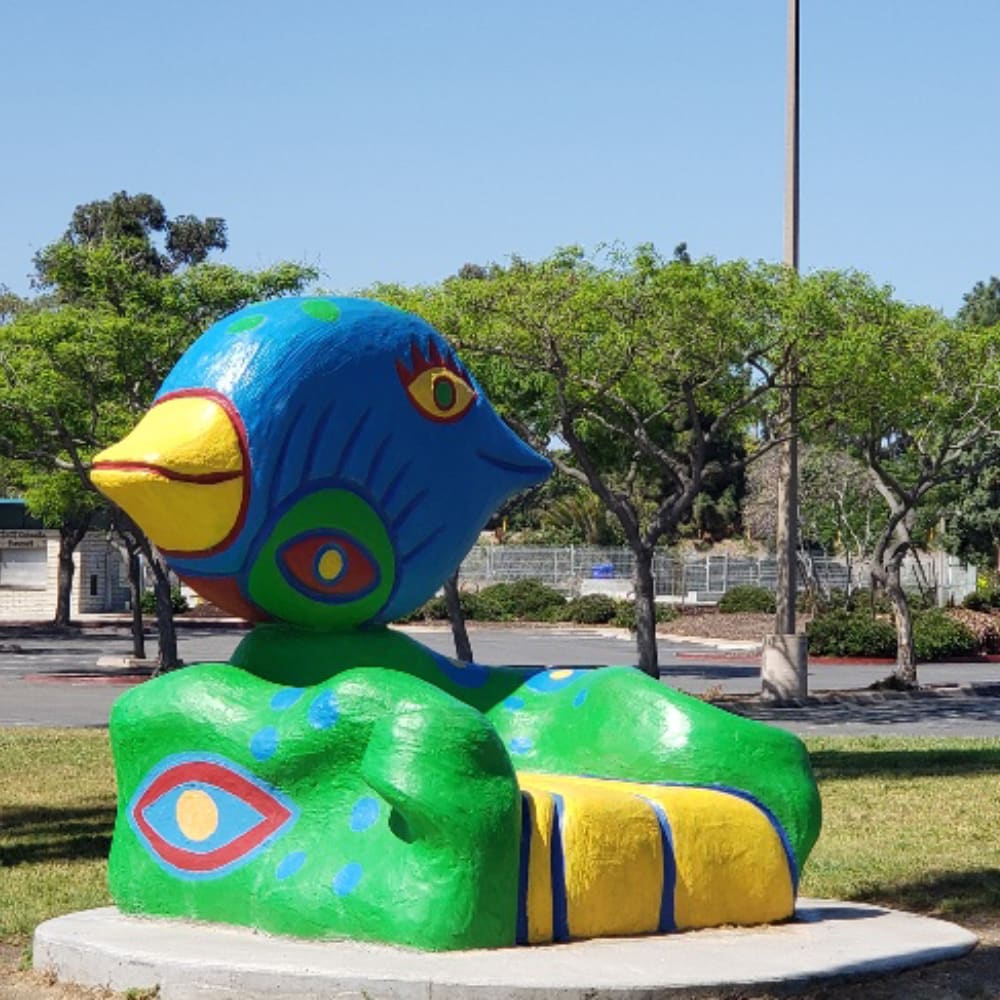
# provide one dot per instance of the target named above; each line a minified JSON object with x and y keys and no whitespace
{"x":407,"y":810}
{"x":399,"y":766}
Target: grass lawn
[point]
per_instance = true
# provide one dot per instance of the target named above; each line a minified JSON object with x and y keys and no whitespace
{"x":57,"y":810}
{"x":907,"y":822}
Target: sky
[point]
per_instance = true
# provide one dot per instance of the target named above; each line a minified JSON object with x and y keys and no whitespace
{"x":395,"y":141}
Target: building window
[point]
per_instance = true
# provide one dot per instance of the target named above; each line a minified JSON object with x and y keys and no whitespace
{"x":24,"y":569}
{"x":93,"y":585}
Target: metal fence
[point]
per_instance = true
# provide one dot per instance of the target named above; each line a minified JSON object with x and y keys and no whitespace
{"x":703,"y":579}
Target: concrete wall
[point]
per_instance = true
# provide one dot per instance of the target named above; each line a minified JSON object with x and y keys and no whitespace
{"x":99,"y":584}
{"x":101,"y":581}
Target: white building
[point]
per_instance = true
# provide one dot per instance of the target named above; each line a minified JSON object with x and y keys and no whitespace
{"x":29,"y":569}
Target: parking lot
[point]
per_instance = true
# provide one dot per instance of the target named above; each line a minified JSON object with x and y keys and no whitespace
{"x":53,"y":680}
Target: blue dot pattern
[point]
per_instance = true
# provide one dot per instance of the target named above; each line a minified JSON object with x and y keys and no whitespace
{"x":289,"y":865}
{"x":364,"y":814}
{"x":513,"y":703}
{"x":285,"y":698}
{"x":323,"y":712}
{"x":347,"y":879}
{"x":520,"y":745}
{"x":580,"y":698}
{"x":264,"y":743}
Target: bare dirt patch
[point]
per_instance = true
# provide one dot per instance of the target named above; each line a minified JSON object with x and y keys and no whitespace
{"x":741,"y":626}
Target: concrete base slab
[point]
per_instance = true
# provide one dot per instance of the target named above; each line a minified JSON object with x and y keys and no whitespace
{"x":190,"y":961}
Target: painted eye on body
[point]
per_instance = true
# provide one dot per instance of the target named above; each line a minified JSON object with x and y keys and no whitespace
{"x":201,"y":817}
{"x":328,"y":566}
{"x":436,"y":386}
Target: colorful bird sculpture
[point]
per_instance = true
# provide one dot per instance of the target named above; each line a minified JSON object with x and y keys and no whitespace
{"x":320,"y":466}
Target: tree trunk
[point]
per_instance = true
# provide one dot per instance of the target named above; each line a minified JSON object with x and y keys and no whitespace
{"x":167,"y":633}
{"x":64,"y":586}
{"x":136,"y":542}
{"x":135,"y":597}
{"x":463,"y":648}
{"x":69,"y":538}
{"x":645,"y":612}
{"x":906,"y":664}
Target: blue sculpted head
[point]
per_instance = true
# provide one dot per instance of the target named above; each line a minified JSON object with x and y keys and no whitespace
{"x":325,"y":462}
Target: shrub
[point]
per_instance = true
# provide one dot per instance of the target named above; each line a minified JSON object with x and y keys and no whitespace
{"x":919,"y":601}
{"x":936,"y":635}
{"x":850,"y":633}
{"x":846,"y":633}
{"x":625,"y":614}
{"x":747,"y":597}
{"x":666,"y":613}
{"x":177,"y":601}
{"x":977,"y":601}
{"x":527,"y":600}
{"x":436,"y":609}
{"x":814,"y":602}
{"x":590,"y":609}
{"x":859,"y":600}
{"x":983,"y":600}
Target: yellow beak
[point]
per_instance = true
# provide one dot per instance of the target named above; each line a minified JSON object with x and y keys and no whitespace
{"x":182,"y":474}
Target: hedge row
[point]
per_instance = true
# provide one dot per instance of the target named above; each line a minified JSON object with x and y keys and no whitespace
{"x":531,"y":600}
{"x":857,"y":633}
{"x":750,"y":597}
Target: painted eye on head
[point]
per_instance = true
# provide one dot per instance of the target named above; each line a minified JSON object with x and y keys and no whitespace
{"x":437,"y":387}
{"x":328,"y":566}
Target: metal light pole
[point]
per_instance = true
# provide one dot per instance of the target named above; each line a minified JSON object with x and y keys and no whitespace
{"x":791,"y":233}
{"x":784,"y":666}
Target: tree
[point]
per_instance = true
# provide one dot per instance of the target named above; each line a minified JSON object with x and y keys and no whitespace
{"x":839,"y":508}
{"x":81,"y":365}
{"x":129,"y":223}
{"x":10,"y":304}
{"x":969,"y":516}
{"x":459,"y":633}
{"x":911,"y":395}
{"x":970,"y":520}
{"x":644,"y":370}
{"x":981,"y":306}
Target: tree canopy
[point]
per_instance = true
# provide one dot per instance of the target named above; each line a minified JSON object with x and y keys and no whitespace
{"x":80,"y":363}
{"x":912,"y":396}
{"x":981,"y":305}
{"x":140,"y":234}
{"x":647,"y":380}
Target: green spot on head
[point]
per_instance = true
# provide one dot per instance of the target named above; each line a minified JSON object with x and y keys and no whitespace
{"x":349,"y":515}
{"x":321,"y":309}
{"x":245,"y":323}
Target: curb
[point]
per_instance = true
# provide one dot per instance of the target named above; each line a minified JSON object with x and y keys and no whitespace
{"x":865,"y":697}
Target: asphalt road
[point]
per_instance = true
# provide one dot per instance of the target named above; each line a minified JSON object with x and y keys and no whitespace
{"x":54,"y":681}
